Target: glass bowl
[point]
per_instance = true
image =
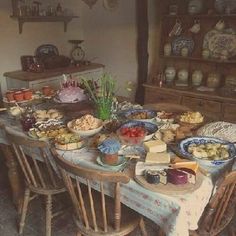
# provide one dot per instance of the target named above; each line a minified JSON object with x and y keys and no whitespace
{"x":131,"y":135}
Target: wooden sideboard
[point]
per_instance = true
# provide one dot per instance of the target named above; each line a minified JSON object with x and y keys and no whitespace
{"x":215,"y":105}
{"x":35,"y":81}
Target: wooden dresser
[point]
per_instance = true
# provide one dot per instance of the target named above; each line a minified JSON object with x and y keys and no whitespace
{"x":215,"y":105}
{"x":53,"y":78}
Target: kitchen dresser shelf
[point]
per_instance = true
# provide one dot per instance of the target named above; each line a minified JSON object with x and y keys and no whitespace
{"x":198,"y":59}
{"x":220,"y":104}
{"x":23,"y":19}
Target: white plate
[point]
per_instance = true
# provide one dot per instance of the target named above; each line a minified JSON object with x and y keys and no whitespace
{"x":84,"y":133}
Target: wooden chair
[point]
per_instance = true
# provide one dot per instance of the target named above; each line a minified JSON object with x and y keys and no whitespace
{"x":220,"y":210}
{"x":97,"y":214}
{"x":40,"y":178}
{"x":168,"y":107}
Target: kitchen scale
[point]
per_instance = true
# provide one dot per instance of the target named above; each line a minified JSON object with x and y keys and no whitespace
{"x":77,"y":53}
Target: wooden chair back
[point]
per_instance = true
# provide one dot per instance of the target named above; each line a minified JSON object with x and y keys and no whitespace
{"x":78,"y":196}
{"x":168,"y":107}
{"x":35,"y":165}
{"x":221,"y":208}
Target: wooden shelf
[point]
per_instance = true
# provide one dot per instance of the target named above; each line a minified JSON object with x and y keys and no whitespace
{"x":199,"y":59}
{"x":201,"y":16}
{"x":23,"y":19}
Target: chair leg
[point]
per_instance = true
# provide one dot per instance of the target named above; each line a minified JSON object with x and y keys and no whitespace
{"x":232,"y":231}
{"x":143,"y":227}
{"x":48,"y":215}
{"x":24,"y":210}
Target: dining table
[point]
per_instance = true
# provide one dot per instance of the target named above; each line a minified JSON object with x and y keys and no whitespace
{"x":175,"y":213}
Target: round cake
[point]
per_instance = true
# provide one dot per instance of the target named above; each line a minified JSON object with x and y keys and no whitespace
{"x":219,"y":129}
{"x":71,"y":94}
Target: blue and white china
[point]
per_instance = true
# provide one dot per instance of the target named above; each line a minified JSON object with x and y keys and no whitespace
{"x":151,"y":128}
{"x":184,"y":144}
{"x":170,"y":73}
{"x":150,"y":113}
{"x":182,"y":42}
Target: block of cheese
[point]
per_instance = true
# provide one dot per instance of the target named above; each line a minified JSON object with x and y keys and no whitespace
{"x":155,"y":146}
{"x":158,"y":158}
{"x":184,"y":163}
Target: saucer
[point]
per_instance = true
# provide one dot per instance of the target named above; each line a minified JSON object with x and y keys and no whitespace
{"x":121,"y":161}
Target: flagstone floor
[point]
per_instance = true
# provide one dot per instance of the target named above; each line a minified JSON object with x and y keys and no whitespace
{"x":62,"y":226}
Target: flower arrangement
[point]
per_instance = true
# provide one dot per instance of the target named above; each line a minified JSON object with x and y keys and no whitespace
{"x":102,"y":93}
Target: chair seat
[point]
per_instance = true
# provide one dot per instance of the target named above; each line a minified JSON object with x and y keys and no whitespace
{"x":129,"y":221}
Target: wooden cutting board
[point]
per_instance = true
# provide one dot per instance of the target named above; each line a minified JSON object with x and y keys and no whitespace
{"x":171,"y":189}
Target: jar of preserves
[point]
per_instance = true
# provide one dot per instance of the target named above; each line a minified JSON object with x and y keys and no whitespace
{"x":213,"y":80}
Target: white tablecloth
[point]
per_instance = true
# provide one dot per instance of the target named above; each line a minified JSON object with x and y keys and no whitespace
{"x":175,"y":214}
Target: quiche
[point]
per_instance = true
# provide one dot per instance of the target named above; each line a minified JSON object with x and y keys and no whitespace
{"x":68,"y":141}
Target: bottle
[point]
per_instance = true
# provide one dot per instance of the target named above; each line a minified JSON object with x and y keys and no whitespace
{"x":59,"y":10}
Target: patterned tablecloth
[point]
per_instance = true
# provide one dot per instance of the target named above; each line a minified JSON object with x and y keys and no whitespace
{"x":176,"y":214}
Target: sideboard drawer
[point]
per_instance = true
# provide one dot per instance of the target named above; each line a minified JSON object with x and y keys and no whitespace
{"x":154,"y":96}
{"x":229,"y":110}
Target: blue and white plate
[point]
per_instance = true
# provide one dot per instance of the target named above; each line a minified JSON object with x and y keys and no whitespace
{"x":150,"y":114}
{"x":151,"y":128}
{"x":184,"y":144}
{"x":182,"y":42}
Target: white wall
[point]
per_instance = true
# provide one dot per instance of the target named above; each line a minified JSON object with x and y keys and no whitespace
{"x":13,"y":45}
{"x":111,"y":36}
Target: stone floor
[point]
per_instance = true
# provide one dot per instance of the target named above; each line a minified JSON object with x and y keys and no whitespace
{"x":62,"y":226}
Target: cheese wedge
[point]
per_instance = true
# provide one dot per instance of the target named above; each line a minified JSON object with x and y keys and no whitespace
{"x":155,"y":146}
{"x":192,"y":165}
{"x":158,"y":158}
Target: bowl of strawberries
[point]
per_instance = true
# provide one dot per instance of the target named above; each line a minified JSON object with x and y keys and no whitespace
{"x":132,"y":133}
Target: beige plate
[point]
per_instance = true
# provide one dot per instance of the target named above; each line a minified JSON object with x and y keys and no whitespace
{"x":170,"y":189}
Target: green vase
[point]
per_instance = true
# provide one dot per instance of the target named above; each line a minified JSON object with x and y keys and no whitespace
{"x":103,"y":110}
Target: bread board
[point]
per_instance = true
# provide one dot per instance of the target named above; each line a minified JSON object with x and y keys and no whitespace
{"x":171,"y":189}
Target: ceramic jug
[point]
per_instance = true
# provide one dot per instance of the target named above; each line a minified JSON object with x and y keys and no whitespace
{"x":183,"y":75}
{"x":197,"y":77}
{"x":195,"y":6}
{"x":170,"y":73}
{"x":213,"y":80}
{"x":167,"y":49}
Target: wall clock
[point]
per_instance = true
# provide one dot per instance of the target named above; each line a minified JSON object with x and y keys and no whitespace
{"x":110,"y":4}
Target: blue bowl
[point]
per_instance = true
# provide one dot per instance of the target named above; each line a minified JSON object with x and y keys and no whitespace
{"x":184,"y":144}
{"x":151,"y":128}
{"x":150,"y":113}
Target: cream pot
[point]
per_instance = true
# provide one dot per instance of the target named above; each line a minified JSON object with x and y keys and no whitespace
{"x":170,"y":73}
{"x":197,"y":77}
{"x":183,"y":75}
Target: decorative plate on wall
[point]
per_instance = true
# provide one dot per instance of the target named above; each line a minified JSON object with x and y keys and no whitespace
{"x":110,"y":4}
{"x":220,"y":43}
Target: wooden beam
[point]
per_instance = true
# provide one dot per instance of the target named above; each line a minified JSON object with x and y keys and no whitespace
{"x":142,"y":47}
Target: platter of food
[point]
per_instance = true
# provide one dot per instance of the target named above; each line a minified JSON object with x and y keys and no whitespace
{"x":49,"y":129}
{"x":68,"y":141}
{"x":85,"y":126}
{"x":165,"y":117}
{"x":140,"y":115}
{"x":207,"y":150}
{"x":42,"y":115}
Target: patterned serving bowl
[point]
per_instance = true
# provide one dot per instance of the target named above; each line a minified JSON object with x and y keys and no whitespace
{"x":140,"y":115}
{"x":184,"y":145}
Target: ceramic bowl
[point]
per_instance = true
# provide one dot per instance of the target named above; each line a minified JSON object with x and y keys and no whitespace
{"x":84,"y":133}
{"x":132,"y":114}
{"x":184,"y":144}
